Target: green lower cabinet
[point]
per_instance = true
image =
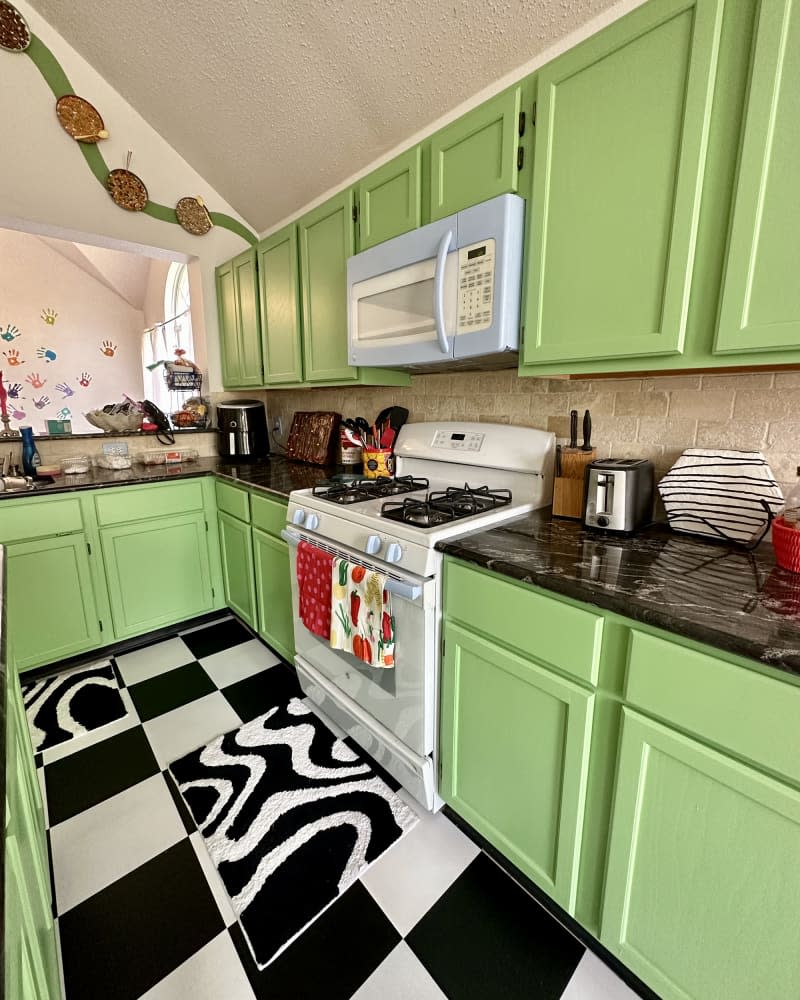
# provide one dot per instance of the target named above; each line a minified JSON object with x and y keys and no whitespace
{"x":274,"y":593}
{"x":514,"y":751}
{"x":158,"y":572}
{"x":703,"y":877}
{"x":237,"y":567}
{"x":30,"y":955}
{"x":52,"y":611}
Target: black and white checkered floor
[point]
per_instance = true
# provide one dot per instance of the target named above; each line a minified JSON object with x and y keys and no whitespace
{"x":142,"y":912}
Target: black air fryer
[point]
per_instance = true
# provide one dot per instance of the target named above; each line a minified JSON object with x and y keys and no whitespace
{"x":243,"y":433}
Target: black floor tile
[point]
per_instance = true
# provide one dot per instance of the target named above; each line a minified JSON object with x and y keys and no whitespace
{"x":215,"y":638}
{"x":255,"y":695}
{"x":123,"y":940}
{"x":189,"y":824}
{"x":331,"y":958}
{"x":170,"y":690}
{"x":486,"y":937}
{"x":92,"y":775}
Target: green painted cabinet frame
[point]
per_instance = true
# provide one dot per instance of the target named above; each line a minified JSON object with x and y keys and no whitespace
{"x":621,"y":136}
{"x":702,"y":881}
{"x":238,"y":315}
{"x":760,"y":304}
{"x":274,"y":592}
{"x":476,"y":157}
{"x":236,"y":550}
{"x":514,"y":745}
{"x":389,"y":199}
{"x":279,"y":288}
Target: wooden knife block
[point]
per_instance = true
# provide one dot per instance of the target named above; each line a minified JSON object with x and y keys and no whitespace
{"x":569,"y":486}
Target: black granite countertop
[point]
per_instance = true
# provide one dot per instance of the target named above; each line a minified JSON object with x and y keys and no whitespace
{"x":276,"y":475}
{"x":713,"y":593}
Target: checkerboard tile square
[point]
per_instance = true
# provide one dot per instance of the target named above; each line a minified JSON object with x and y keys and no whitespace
{"x":170,"y":690}
{"x":129,"y":721}
{"x":252,"y":697}
{"x":213,"y":973}
{"x":151,"y":661}
{"x":212,"y":638}
{"x":186,"y":728}
{"x":238,"y":662}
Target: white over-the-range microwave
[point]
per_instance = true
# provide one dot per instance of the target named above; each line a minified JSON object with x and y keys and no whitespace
{"x":449,"y":291}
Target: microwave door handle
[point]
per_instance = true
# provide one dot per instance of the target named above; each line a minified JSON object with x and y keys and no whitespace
{"x":438,"y":291}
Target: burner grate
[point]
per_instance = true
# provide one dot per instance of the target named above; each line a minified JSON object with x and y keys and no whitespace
{"x":369,"y":489}
{"x":444,"y":506}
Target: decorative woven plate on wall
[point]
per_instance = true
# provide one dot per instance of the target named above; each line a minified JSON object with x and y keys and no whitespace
{"x":193,"y":216}
{"x":15,"y":35}
{"x":127,"y":190}
{"x":80,"y":119}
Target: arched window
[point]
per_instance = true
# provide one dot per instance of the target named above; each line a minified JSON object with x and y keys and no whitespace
{"x":160,"y":342}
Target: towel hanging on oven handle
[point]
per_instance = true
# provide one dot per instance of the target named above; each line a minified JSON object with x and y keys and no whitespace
{"x":409,"y":591}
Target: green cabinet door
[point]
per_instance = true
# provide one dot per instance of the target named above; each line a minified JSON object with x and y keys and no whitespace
{"x":158,"y":572}
{"x":29,"y":947}
{"x":279,"y":287}
{"x":228,"y":327}
{"x":326,"y":237}
{"x":514,"y":750}
{"x":702,"y":881}
{"x":237,"y":566}
{"x":621,"y":135}
{"x":245,"y":278}
{"x":390,"y":199}
{"x":52,"y":611}
{"x":274,"y":593}
{"x":760,"y":307}
{"x":475,"y":157}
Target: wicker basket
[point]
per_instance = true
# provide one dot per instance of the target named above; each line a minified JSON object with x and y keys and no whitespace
{"x":786,"y":542}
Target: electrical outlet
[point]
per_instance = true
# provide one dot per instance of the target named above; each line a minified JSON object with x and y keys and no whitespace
{"x":277,"y":427}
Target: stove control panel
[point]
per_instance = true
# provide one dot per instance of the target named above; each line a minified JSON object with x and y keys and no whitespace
{"x":458,"y":440}
{"x":299,"y":516}
{"x":374,"y":545}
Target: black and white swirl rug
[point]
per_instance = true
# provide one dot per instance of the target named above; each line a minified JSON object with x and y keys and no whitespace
{"x":68,"y":705}
{"x":291,"y":817}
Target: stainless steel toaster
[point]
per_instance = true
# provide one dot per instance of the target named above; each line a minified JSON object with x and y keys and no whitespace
{"x":618,"y":494}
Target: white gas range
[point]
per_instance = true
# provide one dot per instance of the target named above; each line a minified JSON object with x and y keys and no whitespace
{"x":451,"y":479}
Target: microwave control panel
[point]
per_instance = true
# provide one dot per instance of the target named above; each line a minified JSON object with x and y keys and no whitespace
{"x":458,"y":441}
{"x":475,"y":286}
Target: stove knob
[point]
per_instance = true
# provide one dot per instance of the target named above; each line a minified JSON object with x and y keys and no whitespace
{"x":374,"y":545}
{"x":312,"y":522}
{"x":393,"y":553}
{"x":298,"y":517}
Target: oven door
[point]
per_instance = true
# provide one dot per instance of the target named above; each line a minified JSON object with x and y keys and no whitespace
{"x":402,"y":699}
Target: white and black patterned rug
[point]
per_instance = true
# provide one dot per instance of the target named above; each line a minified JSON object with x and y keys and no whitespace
{"x":291,"y":816}
{"x":68,"y":705}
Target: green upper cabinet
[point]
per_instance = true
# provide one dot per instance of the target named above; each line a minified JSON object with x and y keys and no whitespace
{"x":240,"y":332}
{"x":620,"y":145}
{"x":476,"y":157}
{"x":279,"y":286}
{"x":327,"y":239}
{"x":760,"y":307}
{"x":390,"y":199}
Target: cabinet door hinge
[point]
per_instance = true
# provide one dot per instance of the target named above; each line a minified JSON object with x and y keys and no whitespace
{"x":533,"y":114}
{"x":100,"y":624}
{"x":213,"y":593}
{"x":89,"y":547}
{"x":206,"y":523}
{"x":355,"y":212}
{"x":520,"y":157}
{"x":521,"y":123}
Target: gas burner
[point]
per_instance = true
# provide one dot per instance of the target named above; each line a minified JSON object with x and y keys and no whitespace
{"x":369,"y":489}
{"x":443,"y":506}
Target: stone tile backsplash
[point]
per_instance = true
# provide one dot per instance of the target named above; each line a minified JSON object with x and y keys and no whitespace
{"x":653,"y":417}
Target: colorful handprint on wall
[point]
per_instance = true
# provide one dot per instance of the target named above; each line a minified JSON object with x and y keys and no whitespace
{"x":41,"y":403}
{"x":46,"y":353}
{"x":10,"y":333}
{"x":64,"y":414}
{"x":35,"y":381}
{"x":65,"y":389}
{"x":108,"y":348}
{"x":17,"y":414}
{"x":13,"y":357}
{"x":49,"y":316}
{"x":13,"y":390}
{"x":85,"y":379}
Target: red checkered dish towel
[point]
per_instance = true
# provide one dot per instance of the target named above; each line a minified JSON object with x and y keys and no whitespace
{"x":314,"y":586}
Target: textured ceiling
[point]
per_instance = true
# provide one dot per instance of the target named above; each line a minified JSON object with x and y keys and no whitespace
{"x":275,"y":103}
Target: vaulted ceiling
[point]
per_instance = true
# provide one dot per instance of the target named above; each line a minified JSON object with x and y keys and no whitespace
{"x":275,"y":103}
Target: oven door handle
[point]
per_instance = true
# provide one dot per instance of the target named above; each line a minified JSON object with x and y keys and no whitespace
{"x":408,"y":591}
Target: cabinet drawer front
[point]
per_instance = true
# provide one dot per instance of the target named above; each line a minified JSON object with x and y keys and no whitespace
{"x":38,"y":519}
{"x":144,"y":503}
{"x":268,"y":515}
{"x":747,"y":712}
{"x":233,"y":501}
{"x":544,"y":628}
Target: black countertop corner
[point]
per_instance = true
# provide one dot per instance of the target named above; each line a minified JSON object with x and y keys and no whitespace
{"x":737,"y":601}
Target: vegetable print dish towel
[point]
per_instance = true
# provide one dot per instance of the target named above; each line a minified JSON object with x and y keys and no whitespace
{"x":362,"y":622}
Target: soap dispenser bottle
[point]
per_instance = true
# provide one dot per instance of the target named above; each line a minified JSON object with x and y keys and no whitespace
{"x":30,"y":456}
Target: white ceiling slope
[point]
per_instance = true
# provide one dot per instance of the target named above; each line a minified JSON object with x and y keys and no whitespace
{"x":275,"y":103}
{"x":124,"y":274}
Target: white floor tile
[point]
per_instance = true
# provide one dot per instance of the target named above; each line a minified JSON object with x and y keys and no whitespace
{"x":101,"y":844}
{"x":593,"y":980}
{"x":191,"y":726}
{"x":408,"y":879}
{"x":212,"y":973}
{"x":400,"y":976}
{"x":238,"y":662}
{"x":142,"y":664}
{"x":128,"y":721}
{"x":213,"y":879}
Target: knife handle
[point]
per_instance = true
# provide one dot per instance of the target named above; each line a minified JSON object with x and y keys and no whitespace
{"x":573,"y":428}
{"x":587,"y":431}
